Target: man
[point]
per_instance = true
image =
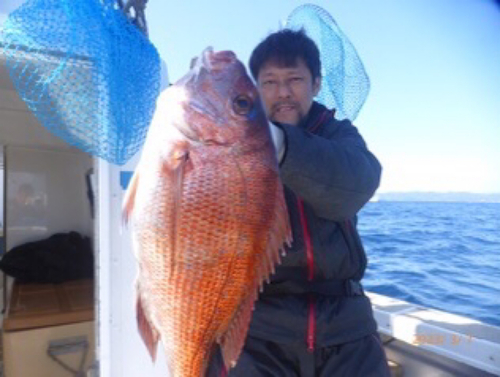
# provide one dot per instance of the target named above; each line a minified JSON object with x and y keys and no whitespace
{"x":313,"y":318}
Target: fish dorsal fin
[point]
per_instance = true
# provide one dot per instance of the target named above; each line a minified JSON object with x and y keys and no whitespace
{"x":279,"y":234}
{"x":148,"y":331}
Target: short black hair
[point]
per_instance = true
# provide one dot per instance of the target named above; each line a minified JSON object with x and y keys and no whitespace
{"x":284,"y":47}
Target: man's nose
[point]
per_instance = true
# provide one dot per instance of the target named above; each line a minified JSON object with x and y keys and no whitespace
{"x":284,"y":90}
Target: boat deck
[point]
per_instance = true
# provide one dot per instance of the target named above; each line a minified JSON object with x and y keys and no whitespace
{"x":429,"y":342}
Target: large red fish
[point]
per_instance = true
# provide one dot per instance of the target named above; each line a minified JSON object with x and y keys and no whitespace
{"x":208,"y":215}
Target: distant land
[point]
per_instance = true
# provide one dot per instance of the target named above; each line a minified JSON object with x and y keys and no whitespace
{"x":462,"y":197}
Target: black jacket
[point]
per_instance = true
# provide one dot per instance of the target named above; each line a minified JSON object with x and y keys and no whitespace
{"x":329,"y":175}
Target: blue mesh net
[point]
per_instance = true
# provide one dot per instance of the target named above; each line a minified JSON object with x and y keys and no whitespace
{"x":89,"y":75}
{"x":345,"y":84}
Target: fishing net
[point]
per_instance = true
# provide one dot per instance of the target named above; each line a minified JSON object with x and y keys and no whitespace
{"x":345,"y":84}
{"x":88,"y":74}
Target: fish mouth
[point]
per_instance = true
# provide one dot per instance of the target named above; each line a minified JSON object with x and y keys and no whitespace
{"x":217,"y":60}
{"x":213,"y":61}
{"x":204,"y":102}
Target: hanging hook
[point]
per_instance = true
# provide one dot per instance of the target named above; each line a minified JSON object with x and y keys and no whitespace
{"x":134,"y":10}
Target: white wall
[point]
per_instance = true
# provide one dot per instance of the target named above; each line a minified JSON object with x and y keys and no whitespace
{"x":18,"y":126}
{"x":45,"y":193}
{"x":1,"y":190}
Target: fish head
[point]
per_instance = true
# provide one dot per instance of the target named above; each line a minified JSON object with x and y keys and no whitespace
{"x":220,"y":103}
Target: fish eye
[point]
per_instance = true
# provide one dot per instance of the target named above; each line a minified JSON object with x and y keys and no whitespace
{"x":242,"y":104}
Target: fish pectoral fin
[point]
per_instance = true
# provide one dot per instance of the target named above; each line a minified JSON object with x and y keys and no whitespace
{"x":175,"y":167}
{"x":129,"y":199}
{"x":149,"y":333}
{"x":232,"y":341}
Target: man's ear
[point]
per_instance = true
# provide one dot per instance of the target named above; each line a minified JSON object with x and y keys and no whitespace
{"x":316,"y":85}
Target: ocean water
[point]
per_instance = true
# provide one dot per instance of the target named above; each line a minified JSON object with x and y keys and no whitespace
{"x":441,"y":255}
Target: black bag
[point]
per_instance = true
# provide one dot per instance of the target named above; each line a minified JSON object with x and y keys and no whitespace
{"x":59,"y":258}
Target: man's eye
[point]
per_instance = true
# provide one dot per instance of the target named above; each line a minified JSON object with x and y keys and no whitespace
{"x":296,"y":79}
{"x":269,"y":82}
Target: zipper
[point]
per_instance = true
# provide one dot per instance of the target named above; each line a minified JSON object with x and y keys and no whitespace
{"x":311,"y":317}
{"x":223,"y":371}
{"x":311,"y":324}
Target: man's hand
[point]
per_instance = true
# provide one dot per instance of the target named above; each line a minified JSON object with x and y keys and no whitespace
{"x":278,"y":136}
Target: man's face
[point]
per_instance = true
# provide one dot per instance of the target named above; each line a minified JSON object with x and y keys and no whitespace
{"x":287,"y":92}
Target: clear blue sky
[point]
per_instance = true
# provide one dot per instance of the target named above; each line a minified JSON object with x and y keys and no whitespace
{"x":432,"y":116}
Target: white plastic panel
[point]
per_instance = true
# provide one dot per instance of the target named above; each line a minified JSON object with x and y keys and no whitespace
{"x":121,"y":351}
{"x":46,"y":193}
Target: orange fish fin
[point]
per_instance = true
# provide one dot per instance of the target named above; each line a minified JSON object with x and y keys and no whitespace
{"x":129,"y":199}
{"x":280,"y":234}
{"x":176,"y":166}
{"x":148,"y":332}
{"x":232,"y":341}
{"x":181,"y":164}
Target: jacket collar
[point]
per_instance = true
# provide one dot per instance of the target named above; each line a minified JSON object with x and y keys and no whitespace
{"x":318,"y":115}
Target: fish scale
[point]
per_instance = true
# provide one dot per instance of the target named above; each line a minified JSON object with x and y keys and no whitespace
{"x":208,"y":215}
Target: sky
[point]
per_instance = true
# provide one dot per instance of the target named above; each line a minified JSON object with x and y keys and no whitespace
{"x":432,"y":115}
